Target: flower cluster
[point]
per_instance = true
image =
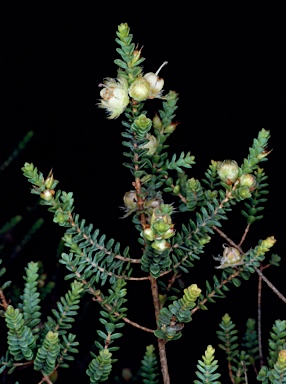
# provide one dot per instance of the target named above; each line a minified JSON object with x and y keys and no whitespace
{"x":115,"y":95}
{"x":160,"y":228}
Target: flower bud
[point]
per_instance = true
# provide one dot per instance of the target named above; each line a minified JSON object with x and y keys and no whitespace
{"x":151,"y":145}
{"x":149,"y":234}
{"x":61,"y":218}
{"x":139,"y":90}
{"x":136,"y":56}
{"x":170,"y":128}
{"x":247,"y":180}
{"x":123,"y":29}
{"x":263,"y":154}
{"x":169,"y":233}
{"x":243,"y":193}
{"x":130,"y":200}
{"x":49,"y":181}
{"x":157,"y":122}
{"x":47,"y":194}
{"x":28,"y":167}
{"x":161,"y":245}
{"x":176,"y":190}
{"x":228,"y":171}
{"x":160,"y":227}
{"x":204,"y":240}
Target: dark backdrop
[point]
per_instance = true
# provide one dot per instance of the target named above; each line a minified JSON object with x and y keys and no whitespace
{"x":225,"y":63}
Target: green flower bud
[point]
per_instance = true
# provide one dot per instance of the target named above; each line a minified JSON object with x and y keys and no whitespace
{"x":49,"y":181}
{"x":243,"y":192}
{"x":228,"y":171}
{"x":140,"y":89}
{"x":143,"y":122}
{"x":160,"y":227}
{"x":247,"y":180}
{"x":167,"y":209}
{"x":123,"y":29}
{"x":157,"y":122}
{"x":192,"y":184}
{"x":176,"y":190}
{"x":28,"y":167}
{"x":136,"y":56}
{"x":226,"y":319}
{"x":204,"y":240}
{"x":60,"y":217}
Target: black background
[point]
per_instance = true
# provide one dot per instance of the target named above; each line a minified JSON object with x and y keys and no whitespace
{"x":225,"y":63}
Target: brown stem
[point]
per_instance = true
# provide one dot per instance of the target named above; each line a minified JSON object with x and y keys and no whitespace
{"x":259,"y":319}
{"x":244,"y":235}
{"x":161,"y":342}
{"x":3,"y":301}
{"x":230,"y":372}
{"x":46,"y":379}
{"x":163,"y":361}
{"x":270,"y":285}
{"x":109,"y":308}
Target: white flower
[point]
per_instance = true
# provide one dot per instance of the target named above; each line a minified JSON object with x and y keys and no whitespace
{"x":231,"y":257}
{"x":114,"y":96}
{"x":156,"y":84}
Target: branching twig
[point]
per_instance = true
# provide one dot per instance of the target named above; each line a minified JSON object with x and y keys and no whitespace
{"x":274,"y":289}
{"x":244,"y":235}
{"x":3,"y":301}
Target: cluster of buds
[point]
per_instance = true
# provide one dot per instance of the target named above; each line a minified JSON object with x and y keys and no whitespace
{"x":228,"y":172}
{"x":160,"y":228}
{"x":231,"y":257}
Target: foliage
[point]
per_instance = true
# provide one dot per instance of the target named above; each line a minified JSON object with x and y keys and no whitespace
{"x":100,"y":268}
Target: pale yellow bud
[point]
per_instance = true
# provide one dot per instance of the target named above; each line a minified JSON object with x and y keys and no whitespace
{"x":139,"y":90}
